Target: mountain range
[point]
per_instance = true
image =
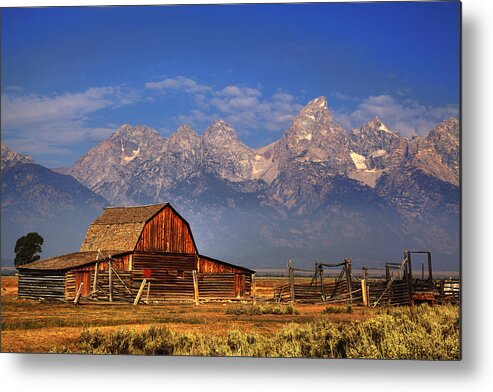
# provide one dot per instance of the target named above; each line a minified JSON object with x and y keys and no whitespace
{"x":318,"y":193}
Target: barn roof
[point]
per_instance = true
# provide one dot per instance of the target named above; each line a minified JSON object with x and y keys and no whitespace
{"x":119,"y":227}
{"x":70,"y":260}
{"x":133,"y":214}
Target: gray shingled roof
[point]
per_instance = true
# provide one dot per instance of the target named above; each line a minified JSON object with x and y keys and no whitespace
{"x":70,"y":260}
{"x":119,"y":227}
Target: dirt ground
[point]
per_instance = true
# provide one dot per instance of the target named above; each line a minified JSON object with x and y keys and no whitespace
{"x":32,"y":326}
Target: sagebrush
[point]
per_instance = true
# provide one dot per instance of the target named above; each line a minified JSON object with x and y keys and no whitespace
{"x":397,"y":333}
{"x":263,"y":309}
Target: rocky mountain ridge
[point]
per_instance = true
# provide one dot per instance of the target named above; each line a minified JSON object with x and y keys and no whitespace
{"x":10,"y":158}
{"x":314,"y":146}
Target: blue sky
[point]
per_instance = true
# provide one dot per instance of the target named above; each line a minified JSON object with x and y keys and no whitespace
{"x":71,"y":76}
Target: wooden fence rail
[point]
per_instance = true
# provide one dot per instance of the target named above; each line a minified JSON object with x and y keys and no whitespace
{"x":346,"y":289}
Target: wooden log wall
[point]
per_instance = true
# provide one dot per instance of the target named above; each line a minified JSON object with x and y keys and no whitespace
{"x":171,"y":262}
{"x":119,"y":293}
{"x":41,"y":285}
{"x":224,"y":286}
{"x":165,"y":285}
{"x":166,"y":232}
{"x":248,"y":286}
{"x":170,"y":277}
{"x":215,"y":286}
{"x":211,"y":266}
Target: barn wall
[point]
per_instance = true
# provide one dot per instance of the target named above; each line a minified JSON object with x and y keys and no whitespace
{"x":118,"y":263}
{"x":86,"y":275}
{"x":171,"y":262}
{"x":119,"y":293}
{"x":170,"y":275}
{"x":41,"y":284}
{"x":224,"y":285}
{"x":165,"y":284}
{"x":208,"y":265}
{"x":166,"y":232}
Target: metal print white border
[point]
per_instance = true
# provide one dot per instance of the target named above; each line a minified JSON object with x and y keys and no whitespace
{"x":295,"y":289}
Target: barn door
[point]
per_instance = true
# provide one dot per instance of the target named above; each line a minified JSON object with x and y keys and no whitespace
{"x":83,"y":277}
{"x":239,"y":285}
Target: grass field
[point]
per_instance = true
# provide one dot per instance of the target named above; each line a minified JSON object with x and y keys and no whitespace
{"x":228,"y":329}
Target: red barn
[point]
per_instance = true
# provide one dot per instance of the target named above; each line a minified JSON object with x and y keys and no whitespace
{"x":127,"y":245}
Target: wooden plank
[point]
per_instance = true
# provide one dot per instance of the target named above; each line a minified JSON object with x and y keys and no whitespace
{"x":120,"y":279}
{"x":41,"y":285}
{"x":195,"y":287}
{"x":347,"y":266}
{"x":363,"y":291}
{"x":95,"y":282}
{"x":254,"y":289}
{"x":110,"y":282}
{"x":79,"y":291}
{"x":322,"y":287}
{"x":139,"y":294}
{"x":148,"y":291}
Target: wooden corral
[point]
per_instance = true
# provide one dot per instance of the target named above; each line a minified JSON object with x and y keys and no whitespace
{"x":156,"y":259}
{"x":321,"y":289}
{"x":397,"y":288}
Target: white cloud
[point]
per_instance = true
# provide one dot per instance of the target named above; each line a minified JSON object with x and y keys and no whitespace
{"x":178,"y":83}
{"x":14,"y":88}
{"x":50,"y":123}
{"x":244,"y":107}
{"x":408,"y":117}
{"x":236,"y":91}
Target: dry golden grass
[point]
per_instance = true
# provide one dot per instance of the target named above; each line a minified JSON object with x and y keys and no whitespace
{"x":31,"y":326}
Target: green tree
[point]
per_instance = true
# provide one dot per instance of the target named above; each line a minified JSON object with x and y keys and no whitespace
{"x":27,"y":248}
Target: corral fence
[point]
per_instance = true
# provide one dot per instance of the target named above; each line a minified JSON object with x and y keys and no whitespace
{"x":396,"y":288}
{"x":321,"y":288}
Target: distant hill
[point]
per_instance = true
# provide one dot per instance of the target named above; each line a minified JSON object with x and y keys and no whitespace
{"x":35,"y":198}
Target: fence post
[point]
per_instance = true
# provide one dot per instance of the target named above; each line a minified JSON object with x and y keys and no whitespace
{"x":95,"y":283}
{"x":367,"y":286}
{"x":77,"y":296}
{"x":254,"y":289}
{"x":110,"y":283}
{"x":139,"y":294}
{"x":363,"y":292}
{"x":148,"y":291}
{"x":291,"y":280}
{"x":195,"y":287}
{"x":347,"y":265}
{"x":322,"y":287}
{"x":408,"y":273}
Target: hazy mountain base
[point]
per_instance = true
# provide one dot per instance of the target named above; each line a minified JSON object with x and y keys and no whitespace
{"x":36,"y":199}
{"x":352,"y":221}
